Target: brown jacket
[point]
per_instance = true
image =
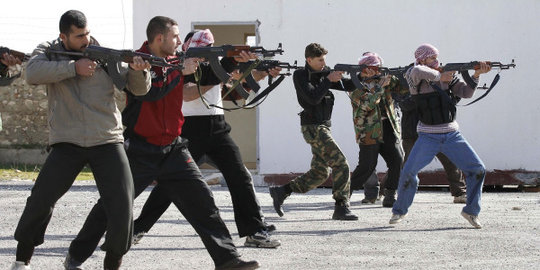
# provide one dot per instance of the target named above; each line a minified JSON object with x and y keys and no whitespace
{"x":82,"y":110}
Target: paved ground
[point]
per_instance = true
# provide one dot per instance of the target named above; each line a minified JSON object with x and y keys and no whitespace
{"x":433,"y":236}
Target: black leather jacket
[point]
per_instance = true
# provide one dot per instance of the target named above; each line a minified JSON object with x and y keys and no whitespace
{"x":312,"y":91}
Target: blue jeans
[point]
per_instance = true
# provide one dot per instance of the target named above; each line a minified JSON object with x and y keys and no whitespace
{"x":458,"y":150}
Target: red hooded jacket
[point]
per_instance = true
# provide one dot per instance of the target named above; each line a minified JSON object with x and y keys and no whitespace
{"x":157,"y":116}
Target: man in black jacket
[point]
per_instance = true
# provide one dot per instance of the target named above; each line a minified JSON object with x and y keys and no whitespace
{"x":313,"y":85}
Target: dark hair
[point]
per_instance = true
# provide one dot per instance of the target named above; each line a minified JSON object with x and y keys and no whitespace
{"x":190,"y":34}
{"x":315,"y":50}
{"x":158,"y":25}
{"x":72,"y":17}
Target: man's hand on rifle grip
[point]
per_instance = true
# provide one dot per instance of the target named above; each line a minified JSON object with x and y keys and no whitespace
{"x":335,"y":76}
{"x":85,"y":67}
{"x":447,"y":76}
{"x":384,"y":81}
{"x":191,"y":65}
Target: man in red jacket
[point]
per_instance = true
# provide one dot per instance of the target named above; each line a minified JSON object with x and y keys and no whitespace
{"x":157,"y":152}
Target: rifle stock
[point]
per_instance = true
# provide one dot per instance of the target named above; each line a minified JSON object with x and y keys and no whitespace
{"x":19,"y":55}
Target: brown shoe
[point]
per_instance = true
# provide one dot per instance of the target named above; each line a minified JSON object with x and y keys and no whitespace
{"x":238,"y":263}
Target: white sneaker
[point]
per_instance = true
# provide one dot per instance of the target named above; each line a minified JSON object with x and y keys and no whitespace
{"x":19,"y":266}
{"x":460,"y":199}
{"x":397,"y":218}
{"x":472,"y":219}
{"x":261,"y":240}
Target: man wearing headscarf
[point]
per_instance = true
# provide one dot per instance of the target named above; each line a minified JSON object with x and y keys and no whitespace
{"x":409,"y":121}
{"x":434,"y":93}
{"x":208,"y":134}
{"x":377,"y":130}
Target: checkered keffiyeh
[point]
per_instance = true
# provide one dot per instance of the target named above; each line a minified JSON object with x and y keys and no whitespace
{"x":201,"y":38}
{"x":425,"y":51}
{"x":370,"y":59}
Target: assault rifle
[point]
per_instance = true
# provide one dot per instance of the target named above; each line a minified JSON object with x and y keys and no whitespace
{"x":355,"y":70}
{"x":4,"y":81}
{"x":107,"y":55}
{"x":212,"y":54}
{"x":464,"y":68}
{"x":111,"y":58}
{"x":265,"y":65}
{"x":474,"y":65}
{"x":251,"y":83}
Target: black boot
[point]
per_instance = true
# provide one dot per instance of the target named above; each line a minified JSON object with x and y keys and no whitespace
{"x":389,"y":198}
{"x":72,"y":264}
{"x":112,"y":262}
{"x":342,"y":212}
{"x":279,"y":194}
{"x":238,"y":263}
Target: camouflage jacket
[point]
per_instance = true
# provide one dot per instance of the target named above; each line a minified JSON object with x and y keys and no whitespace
{"x":367,"y":116}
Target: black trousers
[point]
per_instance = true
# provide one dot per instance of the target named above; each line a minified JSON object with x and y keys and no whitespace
{"x":455,"y":178}
{"x":392,"y":154}
{"x":173,"y":167}
{"x":209,"y":135}
{"x":110,"y":167}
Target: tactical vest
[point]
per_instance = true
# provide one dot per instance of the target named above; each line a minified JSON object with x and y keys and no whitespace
{"x":434,"y":108}
{"x":319,"y":113}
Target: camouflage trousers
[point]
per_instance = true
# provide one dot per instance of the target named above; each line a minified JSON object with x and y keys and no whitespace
{"x":326,"y":156}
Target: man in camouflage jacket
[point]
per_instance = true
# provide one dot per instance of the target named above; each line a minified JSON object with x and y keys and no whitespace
{"x":377,"y":131}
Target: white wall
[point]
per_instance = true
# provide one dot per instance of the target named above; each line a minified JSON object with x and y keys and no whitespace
{"x":503,"y":128}
{"x":26,"y":23}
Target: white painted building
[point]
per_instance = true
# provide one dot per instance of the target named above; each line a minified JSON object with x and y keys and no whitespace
{"x":503,"y":128}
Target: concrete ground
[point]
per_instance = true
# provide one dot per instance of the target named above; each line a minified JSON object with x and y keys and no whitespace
{"x":433,"y":235}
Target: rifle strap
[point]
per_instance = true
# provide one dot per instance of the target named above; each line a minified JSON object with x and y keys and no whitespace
{"x":493,"y":83}
{"x":5,"y":81}
{"x":442,"y":93}
{"x":467,"y":78}
{"x":244,"y":75}
{"x":267,"y":91}
{"x":255,"y":101}
{"x":197,"y":75}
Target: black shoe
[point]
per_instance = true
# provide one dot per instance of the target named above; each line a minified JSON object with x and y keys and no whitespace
{"x":72,"y":264}
{"x":342,"y":212}
{"x":238,"y":263}
{"x":112,"y":262}
{"x":278,"y":196}
{"x":389,"y":198}
{"x":103,"y":246}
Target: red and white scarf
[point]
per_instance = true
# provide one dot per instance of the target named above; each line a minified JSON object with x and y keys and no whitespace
{"x":370,"y":59}
{"x":201,"y":38}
